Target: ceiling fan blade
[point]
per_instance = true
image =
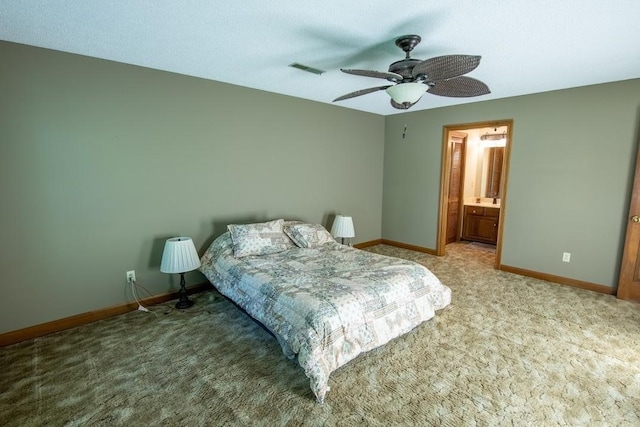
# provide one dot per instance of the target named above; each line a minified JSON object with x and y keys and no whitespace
{"x":445,"y":67}
{"x":361,"y":92}
{"x":377,"y":74}
{"x":460,"y":87}
{"x":400,"y":106}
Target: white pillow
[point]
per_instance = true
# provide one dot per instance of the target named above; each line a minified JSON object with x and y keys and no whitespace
{"x":259,"y":239}
{"x":308,"y":235}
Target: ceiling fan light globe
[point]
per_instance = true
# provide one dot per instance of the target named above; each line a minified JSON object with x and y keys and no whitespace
{"x":407,"y":93}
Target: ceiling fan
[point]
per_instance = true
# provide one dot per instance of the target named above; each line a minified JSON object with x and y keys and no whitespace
{"x":442,"y":75}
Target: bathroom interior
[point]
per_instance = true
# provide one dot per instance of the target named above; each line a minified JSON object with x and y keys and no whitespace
{"x":481,"y":189}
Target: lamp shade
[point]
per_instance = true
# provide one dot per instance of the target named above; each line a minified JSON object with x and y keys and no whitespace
{"x":179,"y":256}
{"x":407,"y":92}
{"x":343,"y":227}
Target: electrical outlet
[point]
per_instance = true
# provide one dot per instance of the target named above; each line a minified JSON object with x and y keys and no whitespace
{"x":131,"y":276}
{"x":566,"y":257}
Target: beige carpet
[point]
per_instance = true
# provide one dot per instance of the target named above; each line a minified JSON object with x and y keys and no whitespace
{"x":510,"y":350}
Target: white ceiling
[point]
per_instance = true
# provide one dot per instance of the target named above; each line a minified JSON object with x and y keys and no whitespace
{"x":526,"y":46}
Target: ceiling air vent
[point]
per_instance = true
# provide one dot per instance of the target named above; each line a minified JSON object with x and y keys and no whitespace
{"x":306,"y":68}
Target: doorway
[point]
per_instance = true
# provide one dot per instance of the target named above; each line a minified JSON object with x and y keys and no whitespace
{"x":471,"y":184}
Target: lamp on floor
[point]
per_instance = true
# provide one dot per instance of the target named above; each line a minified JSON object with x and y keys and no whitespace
{"x":343,"y":227}
{"x":180,"y":256}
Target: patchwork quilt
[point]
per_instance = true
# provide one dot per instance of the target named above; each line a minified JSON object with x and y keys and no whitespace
{"x":326,"y":304}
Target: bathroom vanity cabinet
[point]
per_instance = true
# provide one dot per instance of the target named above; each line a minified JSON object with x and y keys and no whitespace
{"x":480,"y":224}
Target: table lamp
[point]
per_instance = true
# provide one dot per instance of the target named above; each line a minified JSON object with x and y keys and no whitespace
{"x":180,"y":256}
{"x":343,"y":227}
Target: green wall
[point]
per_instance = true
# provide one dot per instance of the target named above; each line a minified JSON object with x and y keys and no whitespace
{"x":572,"y":162}
{"x":101,"y":162}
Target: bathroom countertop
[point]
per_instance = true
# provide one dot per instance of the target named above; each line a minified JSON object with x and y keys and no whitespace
{"x":484,"y":205}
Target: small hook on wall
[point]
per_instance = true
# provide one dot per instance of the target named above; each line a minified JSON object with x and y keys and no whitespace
{"x":404,"y":132}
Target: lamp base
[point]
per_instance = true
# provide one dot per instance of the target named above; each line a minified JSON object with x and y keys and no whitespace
{"x":349,"y":243}
{"x":182,"y":304}
{"x":183,"y":301}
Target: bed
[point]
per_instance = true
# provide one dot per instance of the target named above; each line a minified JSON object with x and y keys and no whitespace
{"x":325,"y":302}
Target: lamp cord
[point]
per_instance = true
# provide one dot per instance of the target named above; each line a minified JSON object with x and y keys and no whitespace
{"x":141,"y":307}
{"x":135,"y":285}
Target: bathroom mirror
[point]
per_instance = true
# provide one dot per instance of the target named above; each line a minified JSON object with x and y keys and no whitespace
{"x":492,"y":168}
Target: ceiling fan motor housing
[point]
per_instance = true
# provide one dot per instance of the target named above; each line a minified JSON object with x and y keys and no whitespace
{"x":404,"y":68}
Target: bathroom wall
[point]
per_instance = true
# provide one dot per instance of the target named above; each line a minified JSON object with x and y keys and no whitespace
{"x":476,"y":163}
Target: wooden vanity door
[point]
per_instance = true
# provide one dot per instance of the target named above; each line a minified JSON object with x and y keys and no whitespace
{"x":456,"y":178}
{"x":629,"y":282}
